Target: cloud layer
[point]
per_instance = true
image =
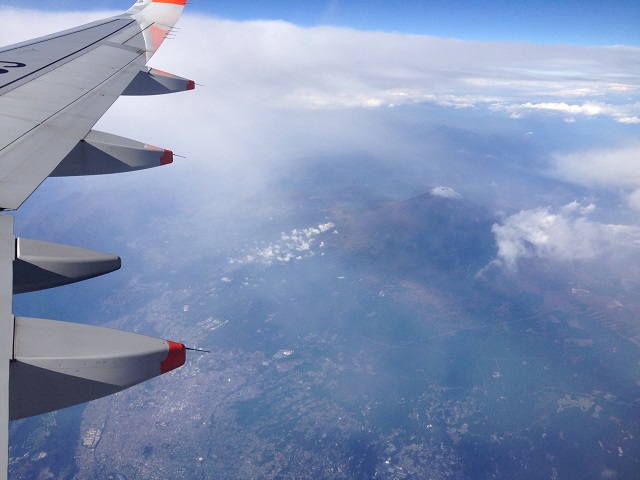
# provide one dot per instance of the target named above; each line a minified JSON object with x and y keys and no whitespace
{"x":327,"y":67}
{"x":295,"y":245}
{"x":273,"y":91}
{"x":615,"y":167}
{"x":561,"y":235}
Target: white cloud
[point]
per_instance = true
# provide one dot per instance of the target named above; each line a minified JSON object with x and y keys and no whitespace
{"x":576,"y":207}
{"x":281,"y":64}
{"x":565,"y":235}
{"x":261,"y":78}
{"x":610,"y":167}
{"x":634,"y":199}
{"x":295,"y":245}
{"x":629,"y":120}
{"x":623,"y":113}
{"x":277,"y":64}
{"x":20,"y":25}
{"x":589,"y":108}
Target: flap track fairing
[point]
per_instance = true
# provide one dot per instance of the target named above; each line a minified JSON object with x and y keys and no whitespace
{"x":102,"y":153}
{"x":60,"y":364}
{"x":151,"y":81}
{"x":39,"y":265}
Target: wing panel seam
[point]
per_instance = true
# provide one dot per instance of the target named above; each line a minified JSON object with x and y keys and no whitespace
{"x":44,"y":121}
{"x":93,"y":44}
{"x":47,"y":37}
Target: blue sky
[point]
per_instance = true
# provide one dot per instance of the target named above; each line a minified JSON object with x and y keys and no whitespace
{"x":543,"y":21}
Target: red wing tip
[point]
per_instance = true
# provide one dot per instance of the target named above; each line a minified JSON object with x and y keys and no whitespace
{"x":166,"y":158}
{"x":175,"y":358}
{"x":191,"y":85}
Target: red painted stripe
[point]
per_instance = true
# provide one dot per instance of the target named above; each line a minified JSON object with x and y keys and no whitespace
{"x":174,"y":2}
{"x":175,"y":358}
{"x":166,"y":158}
{"x":191,"y":85}
{"x":157,"y":36}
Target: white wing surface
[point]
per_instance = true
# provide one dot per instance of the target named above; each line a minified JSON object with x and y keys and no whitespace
{"x":54,"y":89}
{"x":52,"y":92}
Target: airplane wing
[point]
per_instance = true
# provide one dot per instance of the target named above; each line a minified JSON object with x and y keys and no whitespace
{"x":52,"y":92}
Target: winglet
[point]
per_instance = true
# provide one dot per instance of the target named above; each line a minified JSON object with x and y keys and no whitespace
{"x":156,"y":19}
